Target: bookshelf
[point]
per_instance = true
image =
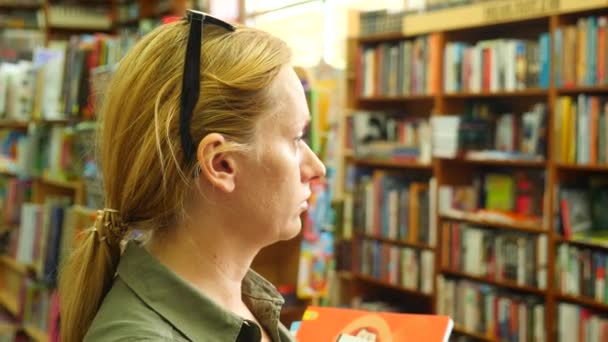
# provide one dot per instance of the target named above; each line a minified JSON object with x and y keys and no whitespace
{"x":469,"y":25}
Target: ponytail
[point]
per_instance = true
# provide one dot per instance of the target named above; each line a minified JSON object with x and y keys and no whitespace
{"x":88,"y":274}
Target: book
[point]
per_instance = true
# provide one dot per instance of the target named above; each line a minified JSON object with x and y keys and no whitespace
{"x":336,"y":324}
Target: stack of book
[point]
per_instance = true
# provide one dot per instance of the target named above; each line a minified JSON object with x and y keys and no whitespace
{"x":389,"y":136}
{"x":496,"y":65}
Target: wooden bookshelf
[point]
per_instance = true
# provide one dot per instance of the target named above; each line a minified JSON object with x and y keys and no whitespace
{"x":493,"y":19}
{"x":520,"y":163}
{"x":502,"y":283}
{"x":528,"y":227}
{"x":22,"y":6}
{"x":12,"y":124}
{"x":579,"y":90}
{"x":581,"y":167}
{"x":396,"y":242}
{"x":474,"y":335}
{"x":583,"y":301}
{"x":583,"y":243}
{"x":374,"y":162}
{"x":517,"y":93}
{"x":381,"y":38}
{"x":378,"y":282}
{"x":380,"y":99}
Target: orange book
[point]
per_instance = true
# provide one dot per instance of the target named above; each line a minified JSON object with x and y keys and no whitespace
{"x":347,"y":325}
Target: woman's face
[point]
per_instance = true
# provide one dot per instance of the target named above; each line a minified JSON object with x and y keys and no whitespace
{"x":274,"y":184}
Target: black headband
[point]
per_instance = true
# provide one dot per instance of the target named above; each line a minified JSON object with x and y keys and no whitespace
{"x":191,"y":78}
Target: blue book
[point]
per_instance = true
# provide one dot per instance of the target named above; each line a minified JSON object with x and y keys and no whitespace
{"x":557,"y":53}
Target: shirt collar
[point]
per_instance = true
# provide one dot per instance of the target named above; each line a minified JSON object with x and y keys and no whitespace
{"x":186,"y":308}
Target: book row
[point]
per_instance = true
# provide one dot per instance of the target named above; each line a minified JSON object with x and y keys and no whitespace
{"x":501,"y":315}
{"x":580,"y":53}
{"x":515,"y":194}
{"x":408,"y":67}
{"x":576,"y":323}
{"x":581,"y":130}
{"x":497,"y":65}
{"x":393,"y":207}
{"x":581,"y":272}
{"x":408,"y":268}
{"x":59,"y":81}
{"x":483,"y":133}
{"x":389,"y":136}
{"x":502,"y":256}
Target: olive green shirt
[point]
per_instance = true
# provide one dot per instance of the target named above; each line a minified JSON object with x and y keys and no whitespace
{"x":148,"y":302}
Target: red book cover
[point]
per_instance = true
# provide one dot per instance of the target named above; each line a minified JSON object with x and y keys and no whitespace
{"x":347,"y":325}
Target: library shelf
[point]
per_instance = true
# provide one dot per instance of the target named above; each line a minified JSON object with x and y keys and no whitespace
{"x":35,"y":333}
{"x":374,"y":281}
{"x":404,"y":98}
{"x":499,"y":162}
{"x":15,"y":265}
{"x":389,"y":163}
{"x":584,"y":301}
{"x":21,"y":6}
{"x":13,"y":124}
{"x":395,"y":242}
{"x":380,"y":38}
{"x":502,"y":283}
{"x":517,"y":93}
{"x":71,"y":185}
{"x":477,"y":336}
{"x":9,"y":302}
{"x":581,"y":167}
{"x":345,"y":275}
{"x":7,"y":173}
{"x":583,"y":243}
{"x":529,"y":227}
{"x":583,"y":89}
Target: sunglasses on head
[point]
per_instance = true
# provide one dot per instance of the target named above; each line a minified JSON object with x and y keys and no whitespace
{"x":191,"y":78}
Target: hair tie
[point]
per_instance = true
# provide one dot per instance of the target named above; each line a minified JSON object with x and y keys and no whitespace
{"x":109,"y":226}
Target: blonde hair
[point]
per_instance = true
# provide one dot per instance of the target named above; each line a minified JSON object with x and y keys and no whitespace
{"x":141,"y":158}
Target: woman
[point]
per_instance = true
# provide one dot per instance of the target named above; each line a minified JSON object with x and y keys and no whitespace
{"x":201,"y":150}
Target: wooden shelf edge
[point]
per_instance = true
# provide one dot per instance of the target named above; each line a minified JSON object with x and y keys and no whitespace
{"x":481,"y":337}
{"x":588,"y":302}
{"x":35,"y":333}
{"x":388,"y":163}
{"x":503,"y":284}
{"x":372,"y":280}
{"x":514,"y":93}
{"x":498,"y":162}
{"x":398,"y":98}
{"x":582,"y":243}
{"x":581,"y":167}
{"x":469,"y":218}
{"x":582,"y":89}
{"x":395,"y":242}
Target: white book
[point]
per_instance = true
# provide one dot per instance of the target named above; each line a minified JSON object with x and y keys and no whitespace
{"x":428,"y":259}
{"x":541,"y":269}
{"x":432,"y":210}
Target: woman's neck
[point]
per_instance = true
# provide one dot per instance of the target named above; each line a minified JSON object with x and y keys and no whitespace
{"x":210,"y":260}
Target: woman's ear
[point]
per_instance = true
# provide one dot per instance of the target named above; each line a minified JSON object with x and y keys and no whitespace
{"x":217,"y":166}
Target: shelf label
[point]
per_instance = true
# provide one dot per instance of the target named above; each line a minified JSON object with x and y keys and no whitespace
{"x":519,"y":9}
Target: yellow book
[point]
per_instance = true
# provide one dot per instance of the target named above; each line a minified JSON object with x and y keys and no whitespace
{"x":564,"y":134}
{"x":581,"y":51}
{"x":572,"y":138}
